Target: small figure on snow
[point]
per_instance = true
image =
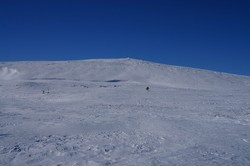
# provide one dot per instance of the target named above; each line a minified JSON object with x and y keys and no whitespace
{"x":147,"y":88}
{"x":45,"y":92}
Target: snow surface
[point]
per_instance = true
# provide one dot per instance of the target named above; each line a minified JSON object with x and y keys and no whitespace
{"x":98,"y":112}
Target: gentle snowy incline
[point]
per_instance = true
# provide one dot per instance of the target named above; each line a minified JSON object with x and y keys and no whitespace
{"x":130,"y":70}
{"x":98,"y":112}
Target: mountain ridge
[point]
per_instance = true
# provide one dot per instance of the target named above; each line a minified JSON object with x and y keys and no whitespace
{"x":133,"y":70}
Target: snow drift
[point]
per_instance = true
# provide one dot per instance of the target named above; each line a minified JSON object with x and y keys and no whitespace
{"x":8,"y":73}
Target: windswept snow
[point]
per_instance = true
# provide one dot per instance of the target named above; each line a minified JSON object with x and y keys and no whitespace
{"x":8,"y":73}
{"x":98,"y":112}
{"x":130,"y":70}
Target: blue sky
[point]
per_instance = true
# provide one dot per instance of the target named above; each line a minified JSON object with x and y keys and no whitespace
{"x":209,"y":34}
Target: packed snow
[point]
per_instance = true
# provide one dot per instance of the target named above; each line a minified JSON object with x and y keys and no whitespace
{"x":99,"y":113}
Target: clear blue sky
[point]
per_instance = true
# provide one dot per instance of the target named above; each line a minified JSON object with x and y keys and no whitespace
{"x":209,"y":34}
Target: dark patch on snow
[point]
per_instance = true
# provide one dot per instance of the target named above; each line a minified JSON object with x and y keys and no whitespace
{"x":107,"y":163}
{"x":108,"y":148}
{"x":114,"y":81}
{"x":4,"y":135}
{"x":85,"y":86}
{"x":143,"y":148}
{"x":51,"y":64}
{"x":16,"y":148}
{"x":110,"y":81}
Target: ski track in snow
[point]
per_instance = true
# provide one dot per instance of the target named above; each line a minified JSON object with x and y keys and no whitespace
{"x":50,"y":117}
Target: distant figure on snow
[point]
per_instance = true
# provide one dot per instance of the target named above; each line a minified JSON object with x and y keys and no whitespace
{"x":45,"y":91}
{"x":147,"y":88}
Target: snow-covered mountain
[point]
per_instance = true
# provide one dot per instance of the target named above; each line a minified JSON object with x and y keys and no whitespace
{"x":98,"y":112}
{"x":127,"y":70}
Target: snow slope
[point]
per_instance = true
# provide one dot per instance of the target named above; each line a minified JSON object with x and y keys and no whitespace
{"x":97,"y":112}
{"x":124,"y":70}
